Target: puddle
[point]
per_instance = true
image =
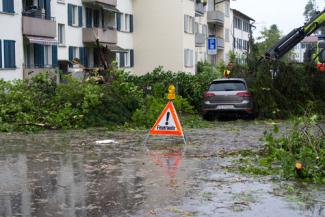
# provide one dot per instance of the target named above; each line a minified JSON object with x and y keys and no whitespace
{"x":70,"y":174}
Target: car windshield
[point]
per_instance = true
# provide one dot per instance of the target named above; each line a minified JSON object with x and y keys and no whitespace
{"x":227,"y":86}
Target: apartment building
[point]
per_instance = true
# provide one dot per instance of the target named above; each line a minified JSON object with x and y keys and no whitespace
{"x":302,"y":51}
{"x":55,"y":32}
{"x":231,"y":28}
{"x":240,"y":33}
{"x":44,"y":35}
{"x":39,"y":44}
{"x":218,"y":19}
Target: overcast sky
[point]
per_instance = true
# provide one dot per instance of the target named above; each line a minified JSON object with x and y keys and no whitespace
{"x":286,"y":14}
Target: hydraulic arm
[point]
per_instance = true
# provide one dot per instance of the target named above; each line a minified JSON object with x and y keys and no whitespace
{"x":295,"y":36}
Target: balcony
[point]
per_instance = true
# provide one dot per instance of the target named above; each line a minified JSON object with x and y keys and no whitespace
{"x":199,"y":40}
{"x":217,"y":17}
{"x":109,"y":35}
{"x":199,"y":9}
{"x":220,"y":43}
{"x":38,"y":26}
{"x":107,"y":2}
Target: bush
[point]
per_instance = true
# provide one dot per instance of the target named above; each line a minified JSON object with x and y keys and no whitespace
{"x":147,"y":114}
{"x":41,"y":103}
{"x":190,"y":87}
{"x":305,"y":144}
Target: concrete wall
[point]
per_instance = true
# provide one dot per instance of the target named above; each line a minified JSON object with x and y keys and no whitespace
{"x":14,"y":32}
{"x":158,"y":35}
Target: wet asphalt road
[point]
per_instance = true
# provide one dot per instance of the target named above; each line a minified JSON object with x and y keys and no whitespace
{"x":68,"y":174}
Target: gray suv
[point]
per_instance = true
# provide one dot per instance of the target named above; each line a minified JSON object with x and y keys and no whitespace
{"x":227,"y":96}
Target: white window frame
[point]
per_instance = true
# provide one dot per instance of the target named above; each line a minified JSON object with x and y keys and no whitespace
{"x":127,"y":62}
{"x":47,"y":56}
{"x":74,"y":14}
{"x":61,"y":34}
{"x":127,"y":22}
{"x":188,"y":24}
{"x":75,"y":53}
{"x":188,"y":58}
{"x":227,"y":35}
{"x":117,"y":58}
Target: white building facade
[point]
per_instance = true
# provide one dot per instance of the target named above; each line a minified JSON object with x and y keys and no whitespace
{"x":240,"y":35}
{"x":46,"y":35}
{"x":11,"y":39}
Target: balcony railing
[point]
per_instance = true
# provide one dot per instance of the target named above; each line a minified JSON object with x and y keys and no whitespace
{"x":216,"y":17}
{"x":108,"y":2}
{"x":199,"y":9}
{"x":200,"y":40}
{"x":104,"y":35}
{"x":38,"y":25}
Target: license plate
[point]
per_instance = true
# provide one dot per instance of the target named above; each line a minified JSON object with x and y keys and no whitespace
{"x":223,"y":107}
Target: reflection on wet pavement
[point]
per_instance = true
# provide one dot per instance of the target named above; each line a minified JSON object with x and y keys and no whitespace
{"x":69,"y":174}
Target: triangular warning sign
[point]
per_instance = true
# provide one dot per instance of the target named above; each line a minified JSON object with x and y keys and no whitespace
{"x":168,"y":122}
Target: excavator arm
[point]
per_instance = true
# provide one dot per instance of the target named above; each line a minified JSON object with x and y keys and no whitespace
{"x":295,"y":36}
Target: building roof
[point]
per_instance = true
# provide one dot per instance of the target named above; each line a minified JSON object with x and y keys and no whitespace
{"x":242,"y":14}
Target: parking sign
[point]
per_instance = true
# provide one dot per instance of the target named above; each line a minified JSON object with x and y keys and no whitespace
{"x":212,"y":45}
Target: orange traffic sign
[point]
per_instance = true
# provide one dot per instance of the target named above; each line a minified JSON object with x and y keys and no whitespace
{"x":168,"y":122}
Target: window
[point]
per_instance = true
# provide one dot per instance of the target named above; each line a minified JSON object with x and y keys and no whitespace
{"x":124,"y":22}
{"x":238,"y":23}
{"x":227,"y":35}
{"x":188,"y":24}
{"x":74,"y":15}
{"x":188,"y":58}
{"x":227,"y":86}
{"x":196,"y":27}
{"x":125,"y":60}
{"x":47,"y":55}
{"x":227,"y":9}
{"x":8,"y":6}
{"x":61,"y":34}
{"x":73,"y":53}
{"x":9,"y":54}
{"x":117,"y":58}
{"x":96,"y":18}
{"x":246,"y":26}
{"x":127,"y":23}
{"x":205,"y":30}
{"x":83,"y":56}
{"x":240,"y":44}
{"x":210,"y":5}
